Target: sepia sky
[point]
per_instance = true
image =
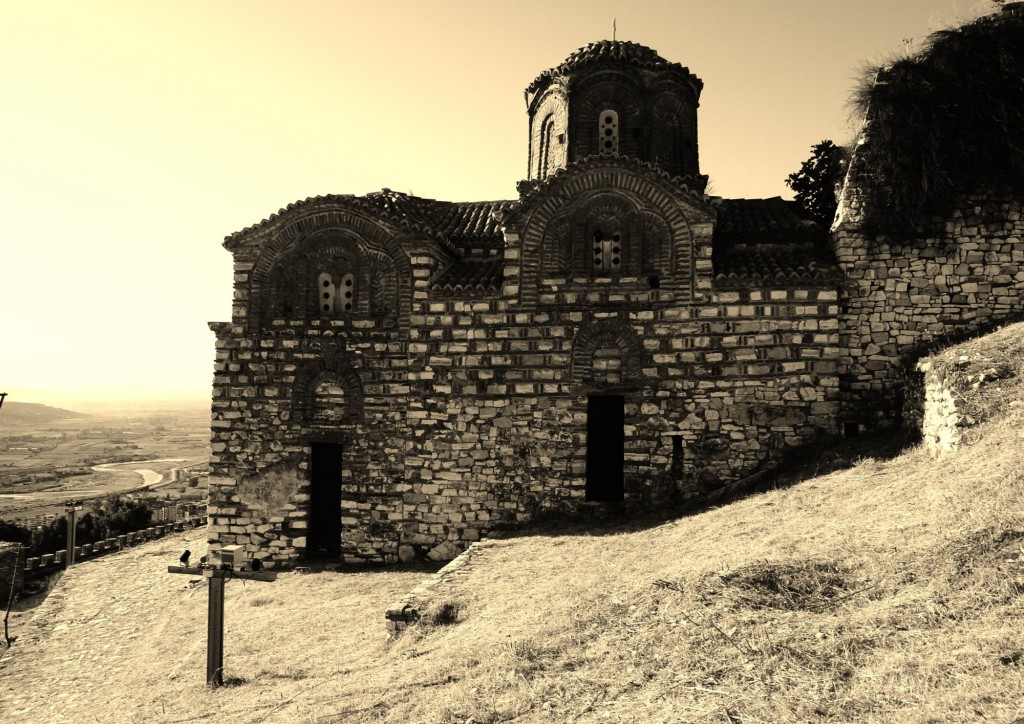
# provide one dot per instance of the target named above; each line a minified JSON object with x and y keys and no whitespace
{"x":137,"y":134}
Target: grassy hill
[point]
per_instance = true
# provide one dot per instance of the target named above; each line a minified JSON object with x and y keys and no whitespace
{"x":28,"y":413}
{"x":892,"y":591}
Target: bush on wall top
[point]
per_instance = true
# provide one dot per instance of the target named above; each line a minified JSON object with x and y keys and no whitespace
{"x":944,"y":122}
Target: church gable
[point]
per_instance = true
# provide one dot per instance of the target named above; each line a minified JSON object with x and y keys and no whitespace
{"x":615,"y":226}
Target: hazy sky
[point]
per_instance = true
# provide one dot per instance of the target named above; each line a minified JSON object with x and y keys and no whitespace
{"x":136,"y":135}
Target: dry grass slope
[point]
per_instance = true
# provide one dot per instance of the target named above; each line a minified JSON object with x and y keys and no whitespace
{"x":888,"y":592}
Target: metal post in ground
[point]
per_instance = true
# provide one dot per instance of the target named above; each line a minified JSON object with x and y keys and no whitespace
{"x":71,"y":509}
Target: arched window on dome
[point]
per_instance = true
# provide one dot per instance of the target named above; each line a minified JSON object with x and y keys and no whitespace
{"x":547,"y":133}
{"x":608,"y":132}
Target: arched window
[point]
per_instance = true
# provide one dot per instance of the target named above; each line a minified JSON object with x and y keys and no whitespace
{"x":547,"y":132}
{"x":328,"y":403}
{"x":335,"y":292}
{"x":607,"y":251}
{"x":608,"y":132}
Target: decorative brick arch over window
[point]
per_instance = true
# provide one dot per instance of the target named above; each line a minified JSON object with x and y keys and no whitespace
{"x":332,"y":275}
{"x":674,"y":136}
{"x":287,"y":280}
{"x":606,"y":356}
{"x":667,"y":236}
{"x":608,"y":107}
{"x":328,"y":393}
{"x":606,"y":235}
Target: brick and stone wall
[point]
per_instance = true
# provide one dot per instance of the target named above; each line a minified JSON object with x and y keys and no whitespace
{"x":474,"y":416}
{"x":942,"y":422}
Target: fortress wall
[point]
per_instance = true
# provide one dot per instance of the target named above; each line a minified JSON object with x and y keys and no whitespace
{"x":901,"y":294}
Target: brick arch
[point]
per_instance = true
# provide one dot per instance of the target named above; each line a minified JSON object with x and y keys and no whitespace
{"x":674,"y":133}
{"x":601,"y":335}
{"x":327,"y":369}
{"x":372,"y":236}
{"x":548,"y":118}
{"x":649,"y":190}
{"x":624,"y":96}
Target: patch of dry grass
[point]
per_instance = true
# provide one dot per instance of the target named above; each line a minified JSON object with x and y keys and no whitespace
{"x":984,"y":374}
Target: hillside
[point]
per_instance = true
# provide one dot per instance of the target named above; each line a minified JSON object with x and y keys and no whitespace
{"x":891,"y":591}
{"x":33,"y":413}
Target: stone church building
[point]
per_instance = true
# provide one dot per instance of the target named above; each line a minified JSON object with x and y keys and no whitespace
{"x":402,"y":375}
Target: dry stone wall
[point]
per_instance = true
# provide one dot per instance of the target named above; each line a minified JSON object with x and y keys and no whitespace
{"x":900,"y":295}
{"x":942,"y":423}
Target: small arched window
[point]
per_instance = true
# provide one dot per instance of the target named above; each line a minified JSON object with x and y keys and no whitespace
{"x":608,"y":132}
{"x":547,"y":132}
{"x":607,"y":251}
{"x":335,"y":293}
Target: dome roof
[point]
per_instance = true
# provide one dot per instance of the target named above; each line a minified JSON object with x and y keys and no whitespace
{"x":615,"y":51}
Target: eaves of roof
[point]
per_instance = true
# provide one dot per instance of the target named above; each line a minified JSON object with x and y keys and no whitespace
{"x":614,"y":51}
{"x":743,"y":266}
{"x":452,"y":224}
{"x":531,"y":191}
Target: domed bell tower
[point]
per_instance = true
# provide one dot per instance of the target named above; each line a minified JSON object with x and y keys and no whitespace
{"x":614,"y":97}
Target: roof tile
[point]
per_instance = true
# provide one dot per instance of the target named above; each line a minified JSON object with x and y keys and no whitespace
{"x":758,"y":221}
{"x":470,"y":277}
{"x":618,"y":51}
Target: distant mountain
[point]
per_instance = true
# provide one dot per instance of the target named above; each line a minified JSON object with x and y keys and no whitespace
{"x":32,"y":412}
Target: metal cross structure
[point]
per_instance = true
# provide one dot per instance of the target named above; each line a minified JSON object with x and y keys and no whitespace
{"x":215,"y":612}
{"x":2,"y":396}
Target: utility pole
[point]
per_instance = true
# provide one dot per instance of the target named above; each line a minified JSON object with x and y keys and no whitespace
{"x":2,"y":396}
{"x":72,"y":510}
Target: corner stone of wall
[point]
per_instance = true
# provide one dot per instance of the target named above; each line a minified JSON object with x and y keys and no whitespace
{"x":408,"y":610}
{"x":943,"y":422}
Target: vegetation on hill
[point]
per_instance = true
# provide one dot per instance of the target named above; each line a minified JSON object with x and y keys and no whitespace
{"x":947,"y":120}
{"x":108,"y":517}
{"x":24,"y":413}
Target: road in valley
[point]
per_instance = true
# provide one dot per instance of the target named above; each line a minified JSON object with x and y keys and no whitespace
{"x":44,"y":502}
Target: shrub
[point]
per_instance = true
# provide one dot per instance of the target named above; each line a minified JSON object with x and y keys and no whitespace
{"x":944,"y":122}
{"x":109,"y":517}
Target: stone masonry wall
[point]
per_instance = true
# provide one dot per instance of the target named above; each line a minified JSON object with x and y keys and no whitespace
{"x":900,"y":294}
{"x":477,"y":418}
{"x":942,"y":421}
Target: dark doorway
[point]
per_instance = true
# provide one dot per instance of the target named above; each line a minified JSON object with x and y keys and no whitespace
{"x":605,"y":447}
{"x":324,"y":534}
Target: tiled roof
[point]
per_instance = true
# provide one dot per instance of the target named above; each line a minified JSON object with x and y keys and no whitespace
{"x":759,"y":221}
{"x":770,"y":266}
{"x":529,"y":190}
{"x":456,"y":225}
{"x":470,"y":277}
{"x":766,"y":242}
{"x":616,"y":51}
